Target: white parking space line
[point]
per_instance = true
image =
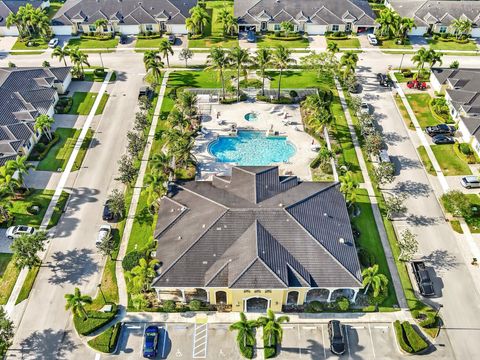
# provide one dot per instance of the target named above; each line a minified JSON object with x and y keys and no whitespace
{"x":324,"y":344}
{"x":357,"y":327}
{"x":348,"y":343}
{"x":97,"y":357}
{"x":200,"y":340}
{"x":371,"y":340}
{"x":134,"y":327}
{"x":380,"y":327}
{"x":309,"y":327}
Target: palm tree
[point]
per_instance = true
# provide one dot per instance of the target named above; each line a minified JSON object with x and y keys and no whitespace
{"x":272,"y":327}
{"x":348,"y":62}
{"x":349,"y":186}
{"x":155,"y":183}
{"x":372,"y":278}
{"x":245,"y":330}
{"x":150,"y":55}
{"x":199,"y":19}
{"x":218,"y":60}
{"x":8,"y":184}
{"x":333,"y":47}
{"x":142,"y":274}
{"x":61,"y":53}
{"x":281,"y":59}
{"x":228,"y":21}
{"x":239,"y":58}
{"x":434,"y":57}
{"x":155,"y":66}
{"x":405,"y":25}
{"x":44,"y":124}
{"x":100,"y":25}
{"x":461,"y":27}
{"x":79,"y":58}
{"x":187,"y":103}
{"x":14,"y":20}
{"x":76,"y":302}
{"x":161,"y":162}
{"x":420,"y":57}
{"x":165,"y":49}
{"x":263,"y":59}
{"x":287,"y":27}
{"x":20,"y":167}
{"x":388,"y":20}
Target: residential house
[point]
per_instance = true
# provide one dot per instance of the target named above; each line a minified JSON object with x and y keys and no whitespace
{"x":11,"y":6}
{"x":314,"y":17}
{"x":26,"y":93}
{"x":437,"y":16}
{"x":123,"y":16}
{"x":255,"y":240}
{"x":462,"y":92}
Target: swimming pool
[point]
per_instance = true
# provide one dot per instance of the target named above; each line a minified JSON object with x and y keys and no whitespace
{"x":252,"y":148}
{"x":250,"y":116}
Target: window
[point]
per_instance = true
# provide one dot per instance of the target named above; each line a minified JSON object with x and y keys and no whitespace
{"x":335,"y":27}
{"x":277,"y":27}
{"x":163,"y":26}
{"x":149,"y":27}
{"x":443,"y":29}
{"x":92,"y":28}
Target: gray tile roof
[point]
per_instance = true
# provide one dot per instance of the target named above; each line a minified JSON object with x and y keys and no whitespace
{"x":127,"y":12}
{"x":25,"y":93}
{"x":312,"y":11}
{"x":212,"y":235}
{"x":427,"y":12}
{"x":9,"y":6}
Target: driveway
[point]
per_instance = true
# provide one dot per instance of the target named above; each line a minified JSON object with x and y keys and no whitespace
{"x":7,"y":42}
{"x":5,"y":242}
{"x":438,"y":245}
{"x":317,"y":42}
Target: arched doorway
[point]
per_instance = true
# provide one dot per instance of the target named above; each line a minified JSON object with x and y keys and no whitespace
{"x":220,"y":297}
{"x":256,"y":304}
{"x":317,"y":295}
{"x":292,"y":298}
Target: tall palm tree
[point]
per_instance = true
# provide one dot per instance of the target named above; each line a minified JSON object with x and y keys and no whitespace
{"x":199,"y":19}
{"x":348,"y":62}
{"x":187,"y":103}
{"x":13,"y":19}
{"x":461,"y":27}
{"x":20,"y":166}
{"x":333,"y":47}
{"x":405,"y":25}
{"x":434,"y":57}
{"x":349,"y":186}
{"x":388,"y":20}
{"x":142,"y":274}
{"x":272,"y":327}
{"x":8,"y":184}
{"x":161,"y":162}
{"x":100,"y":25}
{"x":246,"y":329}
{"x":61,"y":53}
{"x":421,"y":57}
{"x":263,"y":59}
{"x":166,"y":49}
{"x":155,"y":66}
{"x":150,"y":55}
{"x":239,"y":58}
{"x":281,"y":59}
{"x":228,"y":21}
{"x":371,"y":278}
{"x":44,"y":124}
{"x":218,"y":60}
{"x":155,"y":183}
{"x":79,"y":58}
{"x":178,"y":120}
{"x":76,"y":302}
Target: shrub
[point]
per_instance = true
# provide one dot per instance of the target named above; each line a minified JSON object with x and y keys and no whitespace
{"x":342,"y":303}
{"x":40,"y":147}
{"x":401,"y":337}
{"x":293,"y":94}
{"x":106,"y":342}
{"x":456,"y":203}
{"x":195,"y":305}
{"x":413,"y":338}
{"x":95,"y":320}
{"x":366,"y":258}
{"x":169,"y":306}
{"x":100,"y":72}
{"x":429,"y":320}
{"x":465,"y":148}
{"x":132,"y":259}
{"x":40,"y":150}
{"x":314,"y":307}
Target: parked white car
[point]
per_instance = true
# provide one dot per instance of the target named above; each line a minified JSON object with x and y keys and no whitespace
{"x":53,"y":42}
{"x":103,"y":233}
{"x":470,"y":181}
{"x":17,"y":231}
{"x":364,"y":108}
{"x":372,"y":39}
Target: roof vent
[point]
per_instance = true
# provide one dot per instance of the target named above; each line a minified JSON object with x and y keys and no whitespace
{"x":214,"y":255}
{"x":204,"y":262}
{"x":341,"y":241}
{"x":280,"y":204}
{"x":219,"y":228}
{"x":203,"y":226}
{"x":179,"y":238}
{"x":172,"y":210}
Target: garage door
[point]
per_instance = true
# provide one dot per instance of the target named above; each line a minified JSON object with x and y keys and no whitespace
{"x":315,"y":29}
{"x":256,"y":305}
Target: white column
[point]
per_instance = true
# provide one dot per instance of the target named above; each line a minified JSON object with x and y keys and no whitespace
{"x":355,"y":293}
{"x":183,"y":296}
{"x":330,"y":295}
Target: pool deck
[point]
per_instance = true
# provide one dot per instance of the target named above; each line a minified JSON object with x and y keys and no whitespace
{"x":298,"y":164}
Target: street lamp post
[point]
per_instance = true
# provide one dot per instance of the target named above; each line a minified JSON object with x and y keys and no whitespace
{"x":401,"y":61}
{"x":439,"y":320}
{"x":101,"y":291}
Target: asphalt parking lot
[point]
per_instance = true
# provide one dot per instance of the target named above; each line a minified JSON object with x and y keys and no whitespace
{"x":300,"y":341}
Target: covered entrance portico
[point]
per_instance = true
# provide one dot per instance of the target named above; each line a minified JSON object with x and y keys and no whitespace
{"x":331,"y":294}
{"x":256,"y":304}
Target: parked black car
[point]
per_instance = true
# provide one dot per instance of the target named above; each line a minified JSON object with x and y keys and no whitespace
{"x":123,"y":39}
{"x":443,"y":139}
{"x":145,"y":91}
{"x":423,"y":278}
{"x":384,"y":80}
{"x":172,"y":39}
{"x":440,"y":129}
{"x":107,"y":213}
{"x":355,"y":88}
{"x":337,"y":337}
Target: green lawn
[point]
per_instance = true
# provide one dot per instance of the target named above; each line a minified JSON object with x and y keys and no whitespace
{"x":38,"y":44}
{"x":451,"y":45}
{"x":83,"y":103}
{"x":8,"y":277}
{"x":94,"y":44}
{"x":350,"y":43}
{"x":421,"y":108}
{"x":28,"y":284}
{"x":370,"y":241}
{"x":263,"y":41}
{"x":54,"y":7}
{"x":148,"y":43}
{"x":59,"y":153}
{"x":298,"y":80}
{"x":450,"y":163}
{"x":213,"y":31}
{"x":391,"y":44}
{"x":402,"y":79}
{"x":426,"y":160}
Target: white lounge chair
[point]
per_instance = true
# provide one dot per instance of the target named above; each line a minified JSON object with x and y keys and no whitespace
{"x":272,"y":110}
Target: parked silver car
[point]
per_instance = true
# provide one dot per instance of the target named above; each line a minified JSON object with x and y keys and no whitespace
{"x":103,"y":233}
{"x":470,"y":181}
{"x":17,"y":231}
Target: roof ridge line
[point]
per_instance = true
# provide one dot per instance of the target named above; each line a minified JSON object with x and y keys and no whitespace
{"x":202,"y":196}
{"x":334,"y":184}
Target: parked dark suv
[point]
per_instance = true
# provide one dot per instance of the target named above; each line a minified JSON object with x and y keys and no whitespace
{"x":107,"y":213}
{"x":384,"y":80}
{"x":337,"y":337}
{"x":425,"y":285}
{"x":443,"y":129}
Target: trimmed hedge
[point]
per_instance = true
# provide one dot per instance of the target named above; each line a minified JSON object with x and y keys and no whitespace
{"x":132,"y":259}
{"x":284,"y":38}
{"x":63,"y":105}
{"x":106,"y":342}
{"x":366,"y":258}
{"x":155,"y":36}
{"x":408,"y":338}
{"x":314,"y":307}
{"x":282,"y":100}
{"x":95,"y":320}
{"x":40,"y":150}
{"x":400,"y":337}
{"x":98,"y":37}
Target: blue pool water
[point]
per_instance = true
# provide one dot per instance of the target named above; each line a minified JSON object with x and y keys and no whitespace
{"x":252,"y":148}
{"x":250,"y":117}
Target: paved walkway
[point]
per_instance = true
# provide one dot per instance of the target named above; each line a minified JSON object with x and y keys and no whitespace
{"x":10,"y":307}
{"x":122,"y":286}
{"x":373,"y":199}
